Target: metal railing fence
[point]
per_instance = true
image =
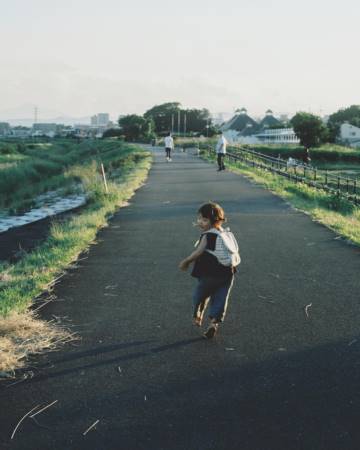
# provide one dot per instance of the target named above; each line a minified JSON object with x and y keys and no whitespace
{"x":297,"y":172}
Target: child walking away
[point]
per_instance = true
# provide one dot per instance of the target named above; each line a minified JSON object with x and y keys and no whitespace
{"x":169,"y":145}
{"x":216,"y":257}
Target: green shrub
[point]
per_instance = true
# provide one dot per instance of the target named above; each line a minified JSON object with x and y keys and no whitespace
{"x":7,"y":149}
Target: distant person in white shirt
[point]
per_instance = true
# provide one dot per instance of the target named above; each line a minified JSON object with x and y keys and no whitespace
{"x":221,"y":151}
{"x":169,"y":145}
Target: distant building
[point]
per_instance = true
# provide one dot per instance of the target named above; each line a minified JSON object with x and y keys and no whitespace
{"x":103,"y":119}
{"x":65,"y":130}
{"x":44,"y":129}
{"x":349,"y":135}
{"x":269,"y":121}
{"x":4,"y":129}
{"x":277,"y":136}
{"x":245,"y":130}
{"x":241,"y":124}
{"x":20,"y":132}
{"x":100,"y":120}
{"x":83,"y":131}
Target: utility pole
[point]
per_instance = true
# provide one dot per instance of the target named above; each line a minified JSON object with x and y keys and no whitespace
{"x":172,"y":123}
{"x":184,"y":124}
{"x":179,"y":122}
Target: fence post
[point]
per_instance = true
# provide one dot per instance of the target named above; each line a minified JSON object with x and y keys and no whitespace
{"x":104,"y":177}
{"x":338,"y":183}
{"x":314,"y":174}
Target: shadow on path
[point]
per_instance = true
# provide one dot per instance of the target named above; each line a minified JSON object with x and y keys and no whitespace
{"x":99,"y":351}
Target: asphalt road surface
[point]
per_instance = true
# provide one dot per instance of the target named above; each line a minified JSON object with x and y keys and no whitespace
{"x":274,"y":378}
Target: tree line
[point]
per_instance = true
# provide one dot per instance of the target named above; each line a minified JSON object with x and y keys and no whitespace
{"x":171,"y":117}
{"x":165,"y":118}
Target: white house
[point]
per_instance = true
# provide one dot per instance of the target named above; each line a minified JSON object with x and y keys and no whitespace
{"x":278,"y":136}
{"x":243,"y":129}
{"x":271,"y":136}
{"x":350,"y":135}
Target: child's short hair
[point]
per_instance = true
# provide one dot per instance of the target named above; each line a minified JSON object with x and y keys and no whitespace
{"x":213,"y":212}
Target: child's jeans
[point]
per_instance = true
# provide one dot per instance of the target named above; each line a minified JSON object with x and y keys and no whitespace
{"x":214,"y":291}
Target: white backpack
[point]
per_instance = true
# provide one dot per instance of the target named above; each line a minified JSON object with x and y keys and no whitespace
{"x":226,"y":248}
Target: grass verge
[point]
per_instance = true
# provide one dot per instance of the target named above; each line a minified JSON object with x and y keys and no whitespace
{"x":34,"y":274}
{"x":332,"y":211}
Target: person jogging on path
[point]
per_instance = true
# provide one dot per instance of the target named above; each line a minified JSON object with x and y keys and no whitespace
{"x":169,"y":145}
{"x":221,"y":151}
{"x":216,"y":256}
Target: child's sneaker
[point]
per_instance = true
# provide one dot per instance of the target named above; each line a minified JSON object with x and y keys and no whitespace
{"x":211,"y":331}
{"x":197,"y":321}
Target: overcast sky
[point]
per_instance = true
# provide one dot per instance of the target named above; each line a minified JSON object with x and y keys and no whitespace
{"x":80,"y":57}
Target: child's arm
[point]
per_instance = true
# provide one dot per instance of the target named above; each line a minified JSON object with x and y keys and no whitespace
{"x":185,"y":263}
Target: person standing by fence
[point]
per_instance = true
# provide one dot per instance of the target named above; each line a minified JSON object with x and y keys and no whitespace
{"x":221,"y":151}
{"x":169,"y":145}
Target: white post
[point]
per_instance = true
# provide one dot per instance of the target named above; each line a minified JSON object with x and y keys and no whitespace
{"x":104,"y":177}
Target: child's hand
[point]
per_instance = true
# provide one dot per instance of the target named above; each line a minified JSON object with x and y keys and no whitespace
{"x":184,"y":265}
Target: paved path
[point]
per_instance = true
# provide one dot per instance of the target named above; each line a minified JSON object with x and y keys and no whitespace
{"x":273,"y":379}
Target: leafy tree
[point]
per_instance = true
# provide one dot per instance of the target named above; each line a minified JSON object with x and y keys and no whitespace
{"x":350,"y":115}
{"x":166,"y":117}
{"x":197,"y":120}
{"x":162,"y":115}
{"x":211,"y":131}
{"x":309,"y":129}
{"x":136,"y":128}
{"x":112,"y":132}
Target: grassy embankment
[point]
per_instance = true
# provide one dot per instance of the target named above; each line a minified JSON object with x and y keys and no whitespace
{"x":339,"y":215}
{"x":45,"y":167}
{"x":127,"y":167}
{"x":9,"y":155}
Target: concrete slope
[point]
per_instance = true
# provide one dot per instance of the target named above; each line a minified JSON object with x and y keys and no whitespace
{"x":273,"y":378}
